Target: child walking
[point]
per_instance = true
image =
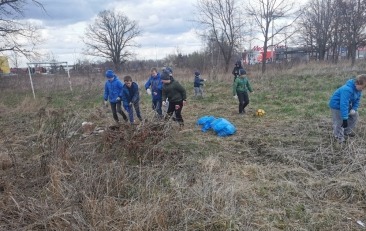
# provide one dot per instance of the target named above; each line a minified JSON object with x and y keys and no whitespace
{"x":236,"y":69}
{"x":344,"y":104}
{"x":176,"y":95}
{"x":113,"y":93}
{"x":198,"y":84}
{"x":131,"y":98}
{"x":241,"y":87}
{"x":154,"y":87}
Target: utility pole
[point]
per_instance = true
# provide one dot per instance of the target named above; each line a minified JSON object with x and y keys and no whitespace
{"x":273,"y":17}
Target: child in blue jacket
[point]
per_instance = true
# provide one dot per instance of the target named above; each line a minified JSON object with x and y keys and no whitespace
{"x":344,"y":104}
{"x":154,"y":88}
{"x":131,"y":98}
{"x":113,"y":93}
{"x":198,"y":83}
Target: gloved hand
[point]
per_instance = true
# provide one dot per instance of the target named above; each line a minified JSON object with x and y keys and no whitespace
{"x":118,"y":99}
{"x":164,"y":103}
{"x":352,"y":112}
{"x":235,"y":97}
{"x":106,"y":103}
{"x":148,"y":91}
{"x":345,"y":124}
{"x":204,"y":79}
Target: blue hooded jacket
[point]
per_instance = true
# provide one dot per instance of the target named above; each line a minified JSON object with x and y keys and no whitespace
{"x":197,"y":81}
{"x":156,"y":86}
{"x":345,"y":98}
{"x":113,"y":90}
{"x":130,"y":94}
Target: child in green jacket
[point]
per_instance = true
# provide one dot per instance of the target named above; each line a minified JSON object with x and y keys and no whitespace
{"x":241,"y":87}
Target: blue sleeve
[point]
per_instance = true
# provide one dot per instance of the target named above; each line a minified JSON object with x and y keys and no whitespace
{"x":344,"y":103}
{"x":126,"y":107}
{"x":160,"y":85}
{"x":135,"y":96}
{"x":124,"y":96}
{"x":148,"y":83}
{"x":106,"y":92}
{"x":120,"y":86}
{"x":201,"y":80}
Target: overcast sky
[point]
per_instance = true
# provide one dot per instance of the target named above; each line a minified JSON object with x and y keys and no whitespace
{"x":165,"y":24}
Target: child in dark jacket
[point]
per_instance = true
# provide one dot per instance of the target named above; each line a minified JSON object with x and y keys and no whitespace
{"x":113,"y":93}
{"x":236,"y":69}
{"x":198,"y":84}
{"x":176,"y":95}
{"x":131,"y":98}
{"x":344,"y":104}
{"x":241,"y":87}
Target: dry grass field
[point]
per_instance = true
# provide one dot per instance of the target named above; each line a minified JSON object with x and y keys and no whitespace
{"x":282,"y":171}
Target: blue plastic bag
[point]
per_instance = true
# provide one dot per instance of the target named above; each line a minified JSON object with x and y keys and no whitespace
{"x":205,"y":121}
{"x":223,"y":127}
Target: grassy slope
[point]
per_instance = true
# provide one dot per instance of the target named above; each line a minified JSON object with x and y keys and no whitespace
{"x":278,"y":172}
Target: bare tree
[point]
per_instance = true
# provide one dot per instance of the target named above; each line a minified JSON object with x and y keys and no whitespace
{"x":355,"y":25}
{"x":15,"y":34}
{"x":264,"y":12}
{"x":110,"y":36}
{"x":317,"y":19}
{"x":220,"y":20}
{"x":337,"y":36}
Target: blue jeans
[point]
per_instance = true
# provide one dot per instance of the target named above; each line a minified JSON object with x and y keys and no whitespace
{"x":129,"y":109}
{"x":156,"y":105}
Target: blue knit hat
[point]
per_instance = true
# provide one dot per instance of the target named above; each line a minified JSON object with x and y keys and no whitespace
{"x":168,"y":70}
{"x":197,"y":73}
{"x":165,"y":75}
{"x":109,"y":74}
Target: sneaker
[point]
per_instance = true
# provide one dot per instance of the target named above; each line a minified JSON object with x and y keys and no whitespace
{"x":339,"y":140}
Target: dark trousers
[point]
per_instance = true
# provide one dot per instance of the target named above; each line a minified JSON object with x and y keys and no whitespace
{"x":116,"y":107}
{"x":156,"y":105}
{"x":243,"y":100}
{"x":178,"y":112}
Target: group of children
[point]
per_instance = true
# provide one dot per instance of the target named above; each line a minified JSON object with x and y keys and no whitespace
{"x":163,"y":88}
{"x":166,"y":91}
{"x":117,"y":93}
